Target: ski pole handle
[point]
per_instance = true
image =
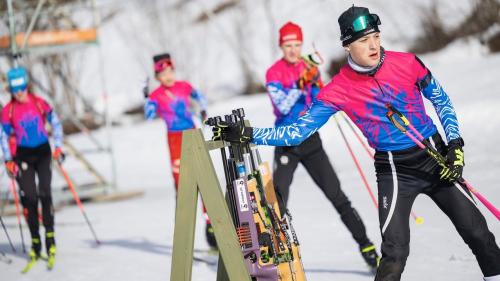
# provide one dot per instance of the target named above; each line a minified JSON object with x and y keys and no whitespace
{"x":393,"y":114}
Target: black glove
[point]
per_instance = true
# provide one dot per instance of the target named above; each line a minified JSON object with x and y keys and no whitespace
{"x":232,"y":132}
{"x":454,"y":160}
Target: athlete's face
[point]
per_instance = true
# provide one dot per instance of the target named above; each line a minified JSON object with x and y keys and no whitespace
{"x":21,"y":96}
{"x":366,"y":50}
{"x":166,"y":77}
{"x":292,"y":50}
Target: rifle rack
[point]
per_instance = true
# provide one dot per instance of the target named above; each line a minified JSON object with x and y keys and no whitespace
{"x":197,"y":173}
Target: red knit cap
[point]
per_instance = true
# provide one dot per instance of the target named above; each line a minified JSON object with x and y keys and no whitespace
{"x":290,"y":31}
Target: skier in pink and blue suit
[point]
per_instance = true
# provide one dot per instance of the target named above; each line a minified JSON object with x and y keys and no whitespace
{"x":171,"y":101}
{"x":373,"y":78}
{"x":27,"y":154}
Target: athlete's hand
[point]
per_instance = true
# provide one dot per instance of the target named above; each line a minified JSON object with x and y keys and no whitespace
{"x":310,"y":76}
{"x":12,"y":168}
{"x":232,"y":132}
{"x":58,"y":155}
{"x":203,"y":115}
{"x":455,"y":159}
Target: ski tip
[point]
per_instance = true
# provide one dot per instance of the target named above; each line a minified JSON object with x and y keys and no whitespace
{"x":419,"y":220}
{"x":27,"y":267}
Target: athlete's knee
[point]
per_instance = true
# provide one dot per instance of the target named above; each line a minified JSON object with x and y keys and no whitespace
{"x":29,"y":200}
{"x":176,"y":165}
{"x":476,"y":236}
{"x":45,"y":198}
{"x":342,"y":203}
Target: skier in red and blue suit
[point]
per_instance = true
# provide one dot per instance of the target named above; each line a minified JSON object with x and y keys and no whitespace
{"x":171,"y":101}
{"x":370,"y":80}
{"x":27,"y":154}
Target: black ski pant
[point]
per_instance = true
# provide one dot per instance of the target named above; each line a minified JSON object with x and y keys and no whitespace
{"x":404,"y":174}
{"x":312,"y":155}
{"x":34,"y":162}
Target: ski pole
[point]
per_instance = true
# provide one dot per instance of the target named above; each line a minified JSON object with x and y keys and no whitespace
{"x":355,"y":159}
{"x":77,"y":199}
{"x":418,"y":219}
{"x":7,"y":234}
{"x":421,"y":142}
{"x":367,"y":149}
{"x":18,"y":213}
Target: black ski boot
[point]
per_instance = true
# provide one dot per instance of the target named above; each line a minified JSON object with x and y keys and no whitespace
{"x":209,"y":232}
{"x":370,"y":256}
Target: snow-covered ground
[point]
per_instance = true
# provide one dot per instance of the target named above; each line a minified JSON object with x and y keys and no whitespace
{"x":137,"y":234}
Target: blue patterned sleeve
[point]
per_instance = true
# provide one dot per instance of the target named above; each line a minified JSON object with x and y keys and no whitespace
{"x":57,"y":129}
{"x":4,"y":141}
{"x":283,"y":99}
{"x":294,"y":134}
{"x":432,"y":90}
{"x":200,"y":98}
{"x":150,"y":109}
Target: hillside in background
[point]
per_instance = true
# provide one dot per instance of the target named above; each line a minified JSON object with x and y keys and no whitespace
{"x":224,"y":47}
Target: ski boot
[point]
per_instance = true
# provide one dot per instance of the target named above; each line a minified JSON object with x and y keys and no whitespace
{"x":209,"y":232}
{"x":50,"y":245}
{"x":33,"y":255}
{"x":370,"y":256}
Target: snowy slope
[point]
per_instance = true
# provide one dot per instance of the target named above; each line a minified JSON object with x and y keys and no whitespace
{"x":137,"y":234}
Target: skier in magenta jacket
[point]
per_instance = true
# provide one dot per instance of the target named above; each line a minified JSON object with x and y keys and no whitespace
{"x":171,"y":100}
{"x":362,"y":89}
{"x":27,"y":153}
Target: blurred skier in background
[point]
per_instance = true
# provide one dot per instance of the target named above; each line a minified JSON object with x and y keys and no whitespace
{"x":27,"y":154}
{"x":172,"y":101}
